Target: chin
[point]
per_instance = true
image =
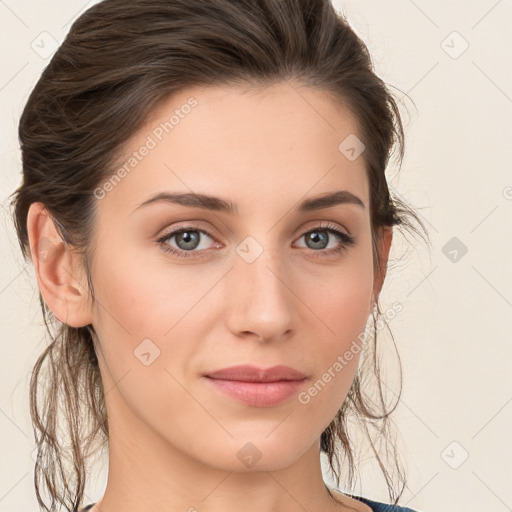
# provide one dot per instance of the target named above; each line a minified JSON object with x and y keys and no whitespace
{"x":256,"y":453}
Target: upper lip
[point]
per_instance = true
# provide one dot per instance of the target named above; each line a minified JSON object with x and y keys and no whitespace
{"x":248,"y":373}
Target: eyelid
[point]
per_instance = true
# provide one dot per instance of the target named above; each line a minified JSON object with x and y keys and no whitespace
{"x":323,"y":224}
{"x":192,"y":225}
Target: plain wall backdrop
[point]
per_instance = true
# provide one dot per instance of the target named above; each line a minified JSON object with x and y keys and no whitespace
{"x":454,"y":60}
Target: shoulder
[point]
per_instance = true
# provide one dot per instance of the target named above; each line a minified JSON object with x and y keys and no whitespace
{"x":378,"y":506}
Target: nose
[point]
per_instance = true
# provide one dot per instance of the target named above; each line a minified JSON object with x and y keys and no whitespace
{"x":260,"y":301}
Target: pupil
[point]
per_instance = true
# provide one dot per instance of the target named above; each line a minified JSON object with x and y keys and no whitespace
{"x":189,"y":239}
{"x":316,"y":238}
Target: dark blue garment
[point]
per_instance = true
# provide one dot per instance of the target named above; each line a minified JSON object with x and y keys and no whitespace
{"x":376,"y":506}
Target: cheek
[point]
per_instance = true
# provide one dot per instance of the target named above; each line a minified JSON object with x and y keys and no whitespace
{"x":148,"y":313}
{"x":142,"y":327}
{"x":341,"y":298}
{"x":342,"y":308}
{"x":141,"y":295}
{"x":344,"y":314}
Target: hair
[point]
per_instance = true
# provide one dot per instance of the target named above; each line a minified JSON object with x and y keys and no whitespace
{"x":118,"y":62}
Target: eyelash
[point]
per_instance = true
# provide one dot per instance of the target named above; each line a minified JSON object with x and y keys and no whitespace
{"x":347,"y":241}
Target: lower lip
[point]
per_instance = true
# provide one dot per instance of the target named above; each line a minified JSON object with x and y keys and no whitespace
{"x":258,"y":394}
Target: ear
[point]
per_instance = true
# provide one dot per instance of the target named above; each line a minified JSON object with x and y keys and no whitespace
{"x":57,"y":269}
{"x":383,"y":248}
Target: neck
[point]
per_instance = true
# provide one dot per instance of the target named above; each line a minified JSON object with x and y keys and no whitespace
{"x":146,"y":472}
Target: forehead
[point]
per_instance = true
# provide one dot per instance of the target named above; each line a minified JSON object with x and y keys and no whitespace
{"x":270,"y":142}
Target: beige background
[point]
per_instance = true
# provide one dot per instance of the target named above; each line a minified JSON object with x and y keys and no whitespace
{"x":453,"y":334}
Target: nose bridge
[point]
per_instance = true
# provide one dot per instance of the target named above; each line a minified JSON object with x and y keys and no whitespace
{"x":260,"y":300}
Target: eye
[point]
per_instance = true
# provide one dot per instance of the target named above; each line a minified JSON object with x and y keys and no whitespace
{"x":319,"y":237}
{"x":188,"y":240}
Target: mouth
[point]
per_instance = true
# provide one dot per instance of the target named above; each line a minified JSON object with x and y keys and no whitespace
{"x":248,"y":373}
{"x":255,"y":386}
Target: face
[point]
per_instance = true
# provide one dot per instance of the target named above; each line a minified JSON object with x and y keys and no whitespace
{"x":254,"y":279}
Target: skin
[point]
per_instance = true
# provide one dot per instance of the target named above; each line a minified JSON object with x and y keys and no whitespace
{"x":173,"y":439}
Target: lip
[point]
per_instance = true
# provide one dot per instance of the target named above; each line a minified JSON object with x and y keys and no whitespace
{"x":249,"y":373}
{"x":259,"y":387}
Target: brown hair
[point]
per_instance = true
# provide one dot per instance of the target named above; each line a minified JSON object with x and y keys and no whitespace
{"x":118,"y":62}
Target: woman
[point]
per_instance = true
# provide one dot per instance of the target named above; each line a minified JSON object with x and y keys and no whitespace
{"x":205,"y":205}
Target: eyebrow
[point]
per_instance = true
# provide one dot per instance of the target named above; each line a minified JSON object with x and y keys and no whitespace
{"x":221,"y":205}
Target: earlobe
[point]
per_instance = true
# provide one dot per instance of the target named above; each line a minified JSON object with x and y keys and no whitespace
{"x":384,"y":246}
{"x":54,"y":266}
